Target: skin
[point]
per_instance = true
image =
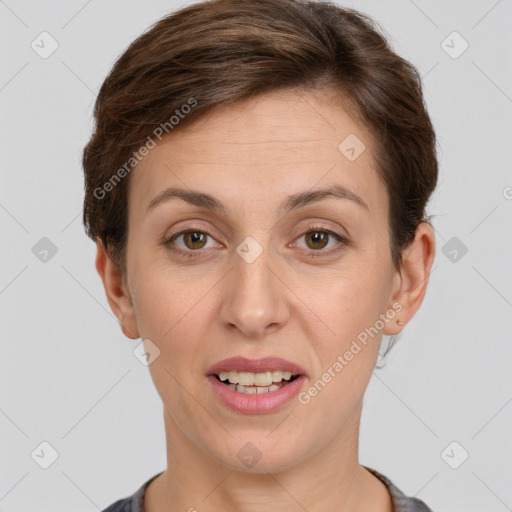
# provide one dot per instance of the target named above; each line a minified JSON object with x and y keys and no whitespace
{"x":198,"y":311}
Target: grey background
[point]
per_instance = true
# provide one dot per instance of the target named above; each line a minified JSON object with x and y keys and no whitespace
{"x":68,"y":376}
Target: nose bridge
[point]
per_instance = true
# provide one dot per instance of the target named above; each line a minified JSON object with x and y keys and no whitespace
{"x":254,"y":301}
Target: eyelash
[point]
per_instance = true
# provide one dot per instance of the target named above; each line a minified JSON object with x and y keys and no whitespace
{"x":310,"y":228}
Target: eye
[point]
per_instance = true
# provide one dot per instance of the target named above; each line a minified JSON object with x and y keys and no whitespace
{"x":190,"y":241}
{"x":318,"y":242}
{"x":317,"y":239}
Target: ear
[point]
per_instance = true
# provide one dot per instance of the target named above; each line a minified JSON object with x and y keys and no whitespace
{"x":411,"y":280}
{"x":117,"y":292}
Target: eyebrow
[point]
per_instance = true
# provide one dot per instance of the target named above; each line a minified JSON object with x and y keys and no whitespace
{"x":292,"y":202}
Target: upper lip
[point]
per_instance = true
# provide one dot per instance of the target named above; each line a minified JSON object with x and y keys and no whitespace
{"x":242,"y":364}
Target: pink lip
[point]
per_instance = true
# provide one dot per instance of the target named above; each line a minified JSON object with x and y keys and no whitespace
{"x":242,"y":364}
{"x":256,"y":403}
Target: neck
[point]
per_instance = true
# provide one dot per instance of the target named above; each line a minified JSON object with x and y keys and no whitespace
{"x":331,"y":479}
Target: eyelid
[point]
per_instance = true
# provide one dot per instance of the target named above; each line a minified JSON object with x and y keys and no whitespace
{"x":317,"y":226}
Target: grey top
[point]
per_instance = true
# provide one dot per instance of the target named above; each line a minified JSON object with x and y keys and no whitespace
{"x":401,"y":502}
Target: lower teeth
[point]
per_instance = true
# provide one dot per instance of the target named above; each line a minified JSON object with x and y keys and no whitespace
{"x":253,"y":390}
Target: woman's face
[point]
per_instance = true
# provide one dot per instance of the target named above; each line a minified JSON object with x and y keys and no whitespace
{"x":271,"y":271}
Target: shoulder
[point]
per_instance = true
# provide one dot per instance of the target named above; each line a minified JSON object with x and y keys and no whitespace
{"x":132,"y":503}
{"x":124,"y":505}
{"x":401,"y":502}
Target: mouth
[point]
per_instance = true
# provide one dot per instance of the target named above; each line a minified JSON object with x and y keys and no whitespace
{"x":269,"y":376}
{"x":256,"y":383}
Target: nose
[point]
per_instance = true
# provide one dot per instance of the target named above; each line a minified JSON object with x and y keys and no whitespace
{"x":254,"y":297}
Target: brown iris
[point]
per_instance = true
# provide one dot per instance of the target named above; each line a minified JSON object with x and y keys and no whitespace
{"x":318,"y":238}
{"x":194,"y":239}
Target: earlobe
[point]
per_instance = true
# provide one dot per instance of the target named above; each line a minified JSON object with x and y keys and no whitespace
{"x":117,"y":292}
{"x":410,"y":282}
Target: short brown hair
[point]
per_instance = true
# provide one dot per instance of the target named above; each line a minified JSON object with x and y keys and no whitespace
{"x":223,"y":51}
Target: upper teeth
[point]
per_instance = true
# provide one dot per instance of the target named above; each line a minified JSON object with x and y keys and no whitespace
{"x":255,"y":379}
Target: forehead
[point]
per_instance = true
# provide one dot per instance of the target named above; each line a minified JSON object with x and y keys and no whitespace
{"x":264,"y":148}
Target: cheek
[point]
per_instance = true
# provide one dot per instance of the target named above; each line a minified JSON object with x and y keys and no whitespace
{"x":167,"y":299}
{"x":177,"y":313}
{"x":173,"y":316}
{"x":347,"y":351}
{"x":349,"y":302}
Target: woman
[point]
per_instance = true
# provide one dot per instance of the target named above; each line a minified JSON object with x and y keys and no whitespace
{"x":256,"y":186}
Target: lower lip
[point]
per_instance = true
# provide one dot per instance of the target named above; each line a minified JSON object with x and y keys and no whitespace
{"x":256,"y":403}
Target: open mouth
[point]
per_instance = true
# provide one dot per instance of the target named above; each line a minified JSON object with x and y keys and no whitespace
{"x":256,"y":383}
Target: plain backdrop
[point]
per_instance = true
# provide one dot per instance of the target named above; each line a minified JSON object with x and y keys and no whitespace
{"x":437,"y":418}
